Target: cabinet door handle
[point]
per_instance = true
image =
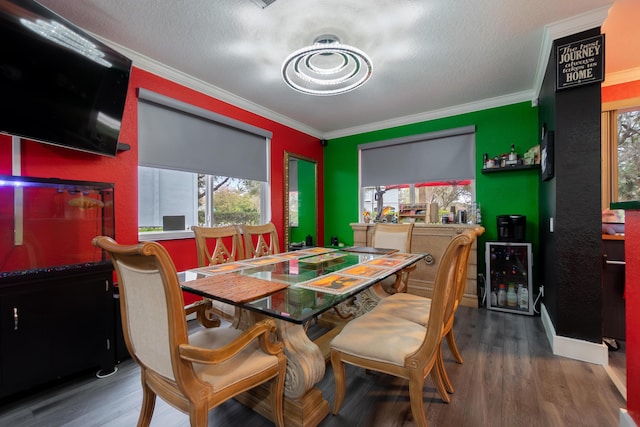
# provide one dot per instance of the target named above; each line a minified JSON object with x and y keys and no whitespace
{"x":15,"y":318}
{"x":616,"y":262}
{"x":429,"y":259}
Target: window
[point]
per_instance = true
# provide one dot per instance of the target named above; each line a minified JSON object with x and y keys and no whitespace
{"x":195,"y":199}
{"x":620,"y":152}
{"x":197,"y":168}
{"x":401,"y":178}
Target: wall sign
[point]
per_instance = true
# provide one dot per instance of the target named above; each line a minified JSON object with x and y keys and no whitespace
{"x":580,"y":63}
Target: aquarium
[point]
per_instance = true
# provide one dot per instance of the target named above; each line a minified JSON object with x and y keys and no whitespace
{"x":48,"y":224}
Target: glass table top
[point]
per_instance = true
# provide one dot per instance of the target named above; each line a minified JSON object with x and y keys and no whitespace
{"x":318,"y":279}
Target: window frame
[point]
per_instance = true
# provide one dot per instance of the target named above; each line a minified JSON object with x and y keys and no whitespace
{"x":609,"y":148}
{"x":419,"y":138}
{"x":265,"y":214}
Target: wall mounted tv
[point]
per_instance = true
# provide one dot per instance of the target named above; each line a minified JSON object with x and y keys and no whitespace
{"x":58,"y":84}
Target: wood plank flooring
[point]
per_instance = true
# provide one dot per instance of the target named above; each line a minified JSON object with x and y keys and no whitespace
{"x":509,"y":378}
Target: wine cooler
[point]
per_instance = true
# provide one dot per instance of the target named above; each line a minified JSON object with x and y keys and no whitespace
{"x":509,"y":280}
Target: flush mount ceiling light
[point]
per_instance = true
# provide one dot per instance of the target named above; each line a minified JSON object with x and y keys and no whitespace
{"x":326,"y":68}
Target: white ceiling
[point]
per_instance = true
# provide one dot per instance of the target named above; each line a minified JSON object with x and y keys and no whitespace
{"x":431,"y":58}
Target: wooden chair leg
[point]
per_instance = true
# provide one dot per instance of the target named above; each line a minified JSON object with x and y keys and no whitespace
{"x":199,"y":416}
{"x":277,"y":399}
{"x":148,"y":405}
{"x":443,"y":373}
{"x":439,"y":383}
{"x":340,"y":381}
{"x":451,"y":341}
{"x":416,"y":386}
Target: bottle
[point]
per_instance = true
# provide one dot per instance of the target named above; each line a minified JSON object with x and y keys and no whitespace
{"x":512,"y":297}
{"x":523,"y":301}
{"x":513,"y":155}
{"x":502,"y":296}
{"x":519,"y":293}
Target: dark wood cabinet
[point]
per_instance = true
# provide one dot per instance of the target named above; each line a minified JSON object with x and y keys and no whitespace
{"x":613,"y":304}
{"x":54,"y":324}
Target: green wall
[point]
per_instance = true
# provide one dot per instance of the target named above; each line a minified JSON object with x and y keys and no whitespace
{"x":509,"y":192}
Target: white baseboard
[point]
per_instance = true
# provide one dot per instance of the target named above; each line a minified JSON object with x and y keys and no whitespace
{"x":573,"y":348}
{"x":626,"y":420}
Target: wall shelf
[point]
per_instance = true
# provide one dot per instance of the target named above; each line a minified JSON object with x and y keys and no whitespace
{"x":510,"y":168}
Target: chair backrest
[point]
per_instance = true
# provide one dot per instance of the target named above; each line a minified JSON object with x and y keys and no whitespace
{"x":460,"y":274}
{"x":260,"y":240}
{"x":216,"y":245}
{"x":443,"y":297}
{"x":392,"y":236}
{"x":152,"y":306}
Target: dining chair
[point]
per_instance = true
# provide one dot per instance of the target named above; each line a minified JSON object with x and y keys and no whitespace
{"x":260,"y":240}
{"x":393,"y":236}
{"x":217,"y":245}
{"x":387,"y":343}
{"x":418,"y":309}
{"x":193,"y":373}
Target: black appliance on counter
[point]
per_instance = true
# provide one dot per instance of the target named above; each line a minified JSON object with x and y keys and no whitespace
{"x":511,"y":228}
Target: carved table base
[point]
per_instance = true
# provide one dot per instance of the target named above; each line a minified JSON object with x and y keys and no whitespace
{"x":304,"y":404}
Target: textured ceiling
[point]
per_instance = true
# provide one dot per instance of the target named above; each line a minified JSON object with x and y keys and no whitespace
{"x":431,"y":58}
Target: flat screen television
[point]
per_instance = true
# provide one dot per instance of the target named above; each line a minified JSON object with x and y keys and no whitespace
{"x":58,"y":84}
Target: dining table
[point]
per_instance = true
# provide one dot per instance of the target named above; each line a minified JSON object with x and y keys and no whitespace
{"x":296,"y":288}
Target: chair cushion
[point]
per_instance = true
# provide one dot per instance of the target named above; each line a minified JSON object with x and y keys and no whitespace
{"x":249,"y":362}
{"x":380,"y":337}
{"x":406,"y":306}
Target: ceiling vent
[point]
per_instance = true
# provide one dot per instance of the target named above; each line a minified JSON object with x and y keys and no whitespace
{"x":263,"y":3}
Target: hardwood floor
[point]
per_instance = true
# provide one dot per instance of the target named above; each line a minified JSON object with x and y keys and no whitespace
{"x":509,"y":378}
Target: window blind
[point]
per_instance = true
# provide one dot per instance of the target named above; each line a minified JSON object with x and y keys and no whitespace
{"x":437,"y":156}
{"x":179,"y":136}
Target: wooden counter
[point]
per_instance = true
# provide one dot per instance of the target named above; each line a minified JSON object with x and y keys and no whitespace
{"x":432,"y":239}
{"x":613,"y":237}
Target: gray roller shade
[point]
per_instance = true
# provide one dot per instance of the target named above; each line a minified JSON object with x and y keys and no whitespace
{"x":179,"y":136}
{"x":436,"y":156}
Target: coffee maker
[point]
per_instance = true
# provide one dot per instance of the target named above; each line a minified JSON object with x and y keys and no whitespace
{"x":511,"y":228}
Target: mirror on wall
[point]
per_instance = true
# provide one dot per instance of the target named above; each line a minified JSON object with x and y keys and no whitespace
{"x":300,"y":200}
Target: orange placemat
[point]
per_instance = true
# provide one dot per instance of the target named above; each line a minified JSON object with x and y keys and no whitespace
{"x":234,"y":287}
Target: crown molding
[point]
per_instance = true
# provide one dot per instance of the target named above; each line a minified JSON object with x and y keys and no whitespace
{"x":471,"y":107}
{"x":553,"y":31}
{"x":565,"y":27}
{"x":619,"y":77}
{"x":151,"y":65}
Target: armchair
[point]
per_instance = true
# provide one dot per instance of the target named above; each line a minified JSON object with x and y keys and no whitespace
{"x":193,"y":373}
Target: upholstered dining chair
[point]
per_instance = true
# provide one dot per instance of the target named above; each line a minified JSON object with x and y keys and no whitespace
{"x":393,"y":236}
{"x":193,"y":373}
{"x":260,"y":240}
{"x":390,"y":344}
{"x":217,"y":245}
{"x":417,"y":308}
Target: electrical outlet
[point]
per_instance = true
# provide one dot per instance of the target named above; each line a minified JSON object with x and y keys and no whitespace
{"x":541,"y":291}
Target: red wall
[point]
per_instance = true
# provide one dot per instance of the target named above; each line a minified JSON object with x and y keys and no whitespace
{"x":41,"y":160}
{"x":632,"y":291}
{"x":622,"y":91}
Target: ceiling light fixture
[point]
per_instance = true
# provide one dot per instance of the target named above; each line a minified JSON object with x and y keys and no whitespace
{"x":263,"y":3}
{"x":326,"y":68}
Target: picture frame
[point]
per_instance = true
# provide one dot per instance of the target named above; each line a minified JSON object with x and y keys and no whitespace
{"x":546,"y":156}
